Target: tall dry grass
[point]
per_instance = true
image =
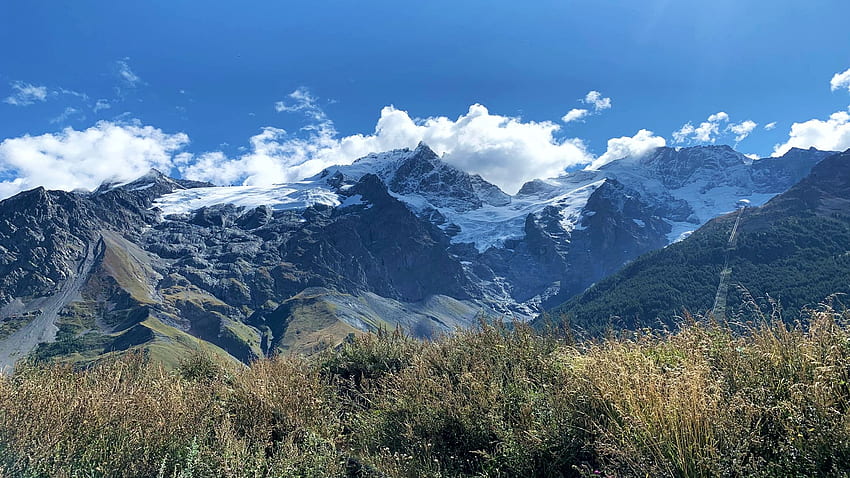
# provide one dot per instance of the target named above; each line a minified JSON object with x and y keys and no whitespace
{"x":765,"y":399}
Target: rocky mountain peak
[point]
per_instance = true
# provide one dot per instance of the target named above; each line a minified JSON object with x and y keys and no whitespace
{"x":823,"y":190}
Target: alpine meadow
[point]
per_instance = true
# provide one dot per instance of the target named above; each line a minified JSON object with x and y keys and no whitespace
{"x":479,"y":239}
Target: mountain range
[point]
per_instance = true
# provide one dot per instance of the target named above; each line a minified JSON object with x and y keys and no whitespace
{"x":788,"y":255}
{"x":395,"y":239}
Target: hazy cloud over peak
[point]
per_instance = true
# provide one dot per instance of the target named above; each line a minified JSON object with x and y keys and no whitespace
{"x":73,"y":159}
{"x":505,"y":150}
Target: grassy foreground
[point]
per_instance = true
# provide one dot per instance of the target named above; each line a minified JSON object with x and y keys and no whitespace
{"x":708,"y":400}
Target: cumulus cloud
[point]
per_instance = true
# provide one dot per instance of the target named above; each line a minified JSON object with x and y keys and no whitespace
{"x":635,"y":146}
{"x":26,"y":94}
{"x":126,"y":73}
{"x":706,"y":132}
{"x":742,"y":130}
{"x":832,"y":134}
{"x":712,"y":129}
{"x":73,"y":159}
{"x":840,"y":81}
{"x":593,"y":99}
{"x":770,"y":126}
{"x":505,"y":150}
{"x":575,"y":114}
{"x":598,"y":102}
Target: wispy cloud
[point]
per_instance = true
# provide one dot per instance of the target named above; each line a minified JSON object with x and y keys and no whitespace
{"x":770,"y":126}
{"x":302,"y":101}
{"x":101,"y":104}
{"x":26,"y":94}
{"x":77,"y":94}
{"x":127,"y":75}
{"x":66,"y":115}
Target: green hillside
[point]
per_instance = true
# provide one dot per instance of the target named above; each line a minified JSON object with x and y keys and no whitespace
{"x":793,"y":252}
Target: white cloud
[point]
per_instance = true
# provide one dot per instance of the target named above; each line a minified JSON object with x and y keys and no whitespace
{"x":770,"y":126}
{"x":65,"y":115}
{"x":26,"y":94}
{"x":706,"y":132}
{"x":303,"y":101}
{"x":101,"y":104}
{"x":592,"y":98}
{"x":66,"y":91}
{"x":575,"y":114}
{"x":74,"y":159}
{"x":712,"y":129}
{"x":504,"y":150}
{"x":635,"y":146}
{"x":753,"y":156}
{"x":718,"y":117}
{"x":742,"y":130}
{"x":596,"y":99}
{"x":682,"y":134}
{"x":507,"y":151}
{"x":830,"y":135}
{"x":127,"y":74}
{"x":840,"y":81}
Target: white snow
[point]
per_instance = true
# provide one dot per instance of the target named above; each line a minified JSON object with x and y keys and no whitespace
{"x":354,"y":200}
{"x":490,"y":226}
{"x":142,"y":188}
{"x":284,"y":196}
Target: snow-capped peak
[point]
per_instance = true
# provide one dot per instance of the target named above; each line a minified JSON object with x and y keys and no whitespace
{"x":684,"y":186}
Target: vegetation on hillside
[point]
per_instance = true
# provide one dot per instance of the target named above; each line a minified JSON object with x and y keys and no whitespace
{"x":797,"y":261}
{"x":769,"y":399}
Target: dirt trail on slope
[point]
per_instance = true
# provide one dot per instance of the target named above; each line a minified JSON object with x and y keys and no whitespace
{"x":43,"y":328}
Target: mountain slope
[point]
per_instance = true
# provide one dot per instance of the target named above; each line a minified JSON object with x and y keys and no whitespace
{"x":795,"y":249}
{"x":396,"y":239}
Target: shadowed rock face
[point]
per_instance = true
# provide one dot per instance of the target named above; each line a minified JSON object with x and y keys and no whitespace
{"x":236,"y":276}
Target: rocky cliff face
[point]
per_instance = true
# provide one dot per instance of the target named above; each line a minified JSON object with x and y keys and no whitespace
{"x":397,"y":238}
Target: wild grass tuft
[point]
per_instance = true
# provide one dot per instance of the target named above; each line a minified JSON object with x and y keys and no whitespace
{"x":757,"y":399}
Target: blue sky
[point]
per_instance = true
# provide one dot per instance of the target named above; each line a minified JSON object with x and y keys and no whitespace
{"x":199,"y":80}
